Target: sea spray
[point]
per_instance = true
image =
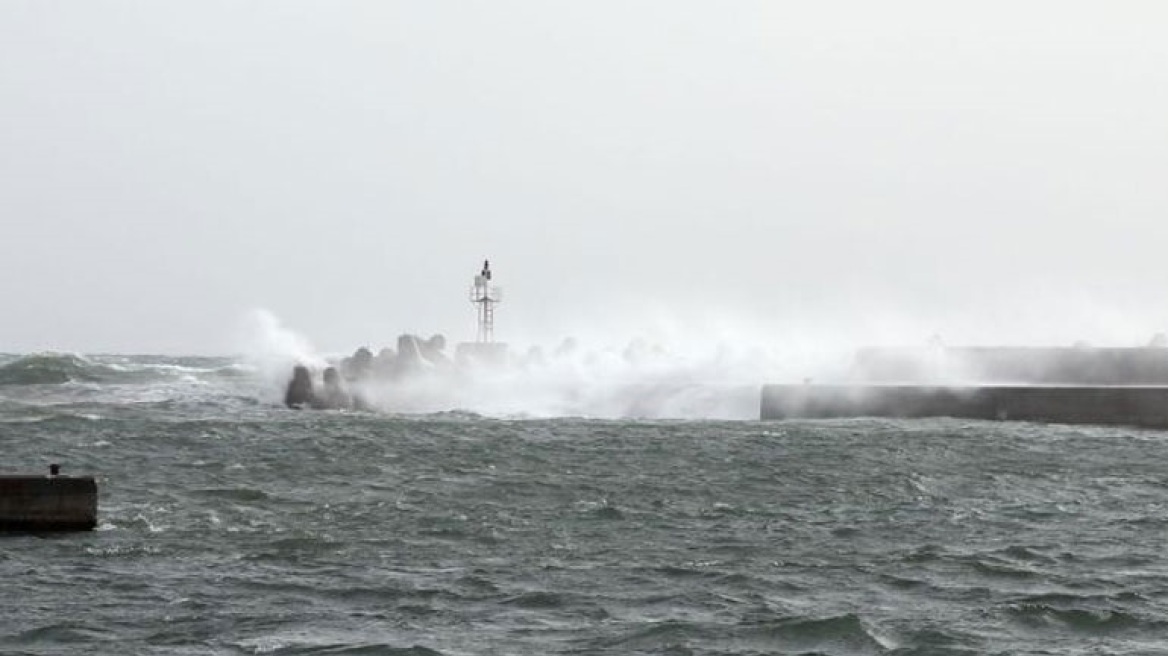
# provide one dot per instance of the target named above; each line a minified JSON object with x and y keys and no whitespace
{"x":272,"y":350}
{"x":698,"y":378}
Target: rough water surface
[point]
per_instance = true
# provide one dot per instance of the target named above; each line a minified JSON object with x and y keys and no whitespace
{"x":230,"y":525}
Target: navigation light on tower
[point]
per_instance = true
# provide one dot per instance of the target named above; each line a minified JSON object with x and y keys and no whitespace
{"x":485,"y":297}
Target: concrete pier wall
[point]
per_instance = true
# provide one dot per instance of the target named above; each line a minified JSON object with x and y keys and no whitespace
{"x":1122,"y":405}
{"x":1007,"y":365}
{"x":48,"y":503}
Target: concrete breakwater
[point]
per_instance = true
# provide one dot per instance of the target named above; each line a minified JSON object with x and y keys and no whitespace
{"x":1070,"y":404}
{"x":1014,"y":365}
{"x":48,"y":503}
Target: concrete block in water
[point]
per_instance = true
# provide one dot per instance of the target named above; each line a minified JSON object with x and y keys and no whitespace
{"x":1117,"y":405}
{"x":48,"y":503}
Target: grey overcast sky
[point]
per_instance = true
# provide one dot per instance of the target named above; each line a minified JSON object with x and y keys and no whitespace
{"x":987,"y":171}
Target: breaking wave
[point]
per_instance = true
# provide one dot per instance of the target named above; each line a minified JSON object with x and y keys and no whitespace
{"x":51,"y":369}
{"x":64,"y":368}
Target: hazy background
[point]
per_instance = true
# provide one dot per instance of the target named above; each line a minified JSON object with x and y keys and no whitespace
{"x":788,"y":171}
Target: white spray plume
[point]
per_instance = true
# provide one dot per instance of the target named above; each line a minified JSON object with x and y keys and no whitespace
{"x":272,"y":349}
{"x":640,"y":380}
{"x":696,"y":378}
{"x":684,"y":370}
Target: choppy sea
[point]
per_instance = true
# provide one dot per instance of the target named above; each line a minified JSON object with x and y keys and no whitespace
{"x":230,"y":525}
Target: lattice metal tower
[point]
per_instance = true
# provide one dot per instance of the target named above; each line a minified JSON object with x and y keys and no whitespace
{"x":485,"y":297}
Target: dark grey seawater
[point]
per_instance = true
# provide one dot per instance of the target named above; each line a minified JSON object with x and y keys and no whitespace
{"x":231,"y":526}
